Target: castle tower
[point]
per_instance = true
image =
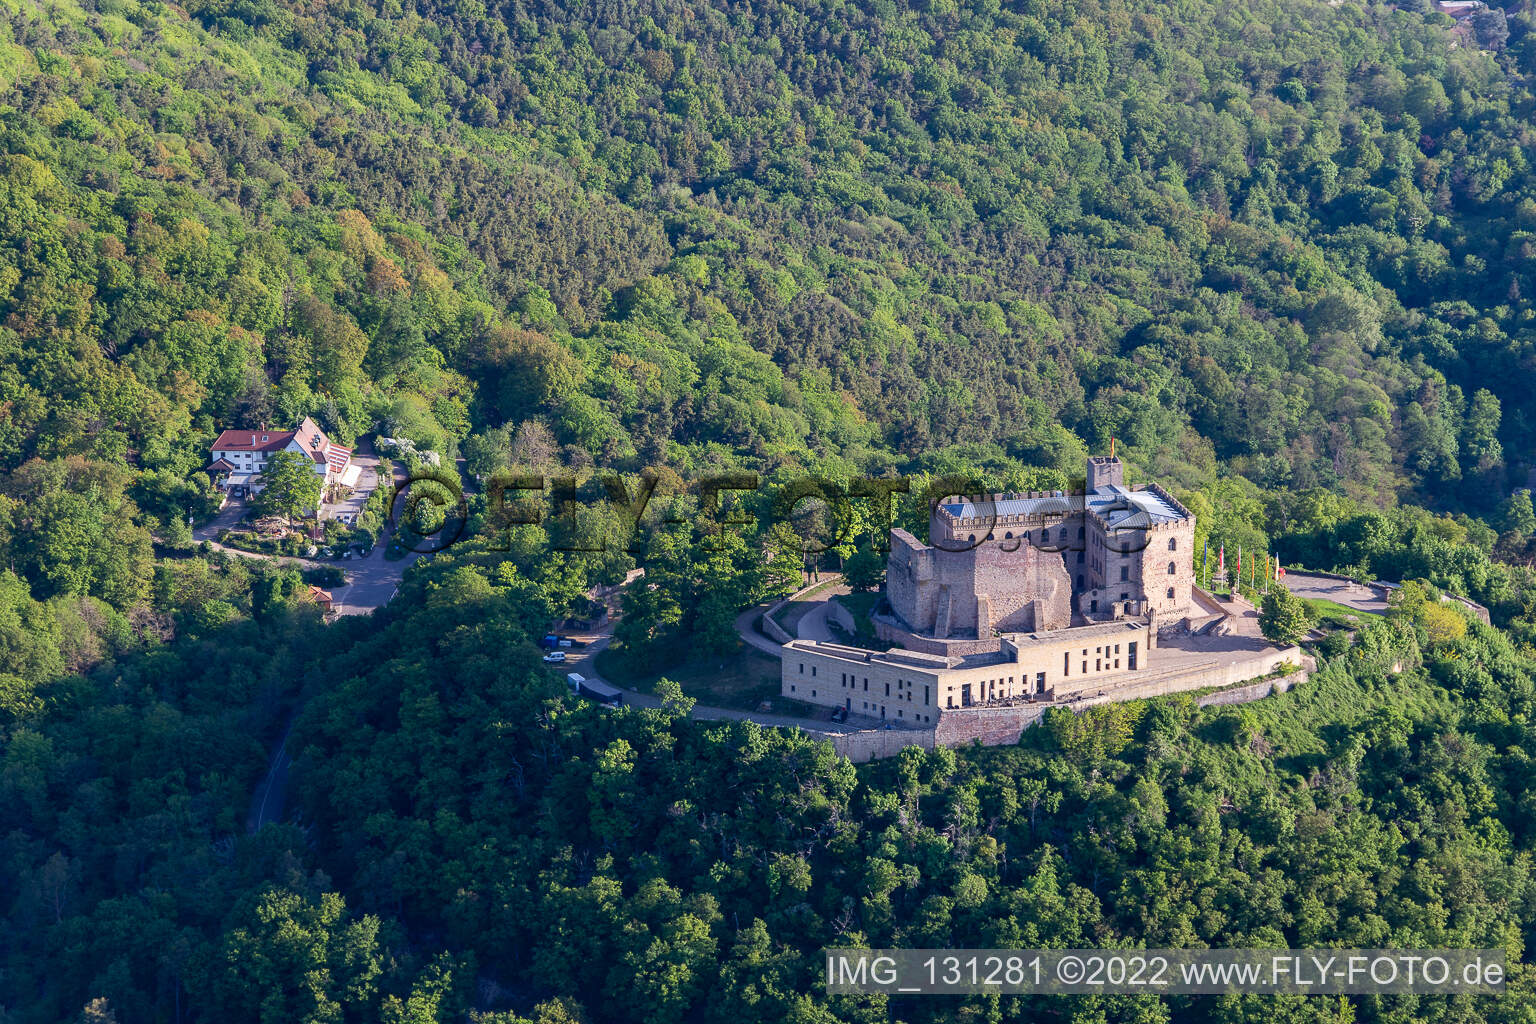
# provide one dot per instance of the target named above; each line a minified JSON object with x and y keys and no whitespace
{"x":1104,"y":471}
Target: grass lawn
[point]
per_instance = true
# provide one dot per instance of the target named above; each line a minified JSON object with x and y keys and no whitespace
{"x":860,"y":605}
{"x":1333,"y":615}
{"x":742,"y":680}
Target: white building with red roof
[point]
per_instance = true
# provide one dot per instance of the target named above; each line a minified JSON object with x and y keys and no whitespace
{"x":243,"y":453}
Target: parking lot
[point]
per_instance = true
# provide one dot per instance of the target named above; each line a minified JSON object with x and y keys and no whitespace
{"x":367,"y":482}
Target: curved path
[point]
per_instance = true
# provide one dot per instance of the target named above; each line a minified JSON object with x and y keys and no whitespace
{"x":371,"y":580}
{"x":584,"y":661}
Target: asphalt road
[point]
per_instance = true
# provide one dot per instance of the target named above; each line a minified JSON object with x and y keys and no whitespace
{"x":271,"y":795}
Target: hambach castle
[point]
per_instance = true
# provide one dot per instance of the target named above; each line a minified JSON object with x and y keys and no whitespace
{"x":1024,"y":601}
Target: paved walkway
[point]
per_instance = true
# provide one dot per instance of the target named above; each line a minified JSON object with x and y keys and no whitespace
{"x":813,"y":625}
{"x":583,"y":660}
{"x":746,"y":628}
{"x":228,"y":516}
{"x":1358,"y":596}
{"x":368,"y":479}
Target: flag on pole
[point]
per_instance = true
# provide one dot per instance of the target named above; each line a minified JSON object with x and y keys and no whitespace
{"x":1205,"y":561}
{"x":1221,"y":560}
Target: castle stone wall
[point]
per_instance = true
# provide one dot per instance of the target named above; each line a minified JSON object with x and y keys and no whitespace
{"x":1012,"y":587}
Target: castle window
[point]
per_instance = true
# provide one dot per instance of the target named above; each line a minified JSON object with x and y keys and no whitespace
{"x":1079,"y":580}
{"x":1171,"y":569}
{"x":1125,"y":573}
{"x":1008,"y":535}
{"x":1173,"y":543}
{"x":1170,"y":593}
{"x":1079,"y":533}
{"x":1079,"y":558}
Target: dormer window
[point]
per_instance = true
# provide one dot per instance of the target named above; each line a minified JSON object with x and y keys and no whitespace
{"x":264,"y":437}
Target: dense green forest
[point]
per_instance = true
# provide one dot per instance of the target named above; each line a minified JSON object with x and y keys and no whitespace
{"x":469,"y":838}
{"x":1280,"y":250}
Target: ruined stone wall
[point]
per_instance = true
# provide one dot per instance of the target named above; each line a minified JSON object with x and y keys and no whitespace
{"x":1013,"y":581}
{"x":1009,"y":586}
{"x":908,"y":580}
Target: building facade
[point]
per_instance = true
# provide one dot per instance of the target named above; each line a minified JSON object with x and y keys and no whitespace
{"x":241,"y":455}
{"x":916,"y":688}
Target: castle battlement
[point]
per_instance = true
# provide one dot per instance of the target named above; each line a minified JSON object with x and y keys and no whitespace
{"x":1043,"y":560}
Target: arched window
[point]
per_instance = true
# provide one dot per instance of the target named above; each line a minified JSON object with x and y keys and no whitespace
{"x":1008,"y":535}
{"x":1171,"y":569}
{"x":1173,"y":543}
{"x":1170,"y":593}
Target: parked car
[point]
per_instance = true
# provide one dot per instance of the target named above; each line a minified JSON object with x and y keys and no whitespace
{"x":839,"y":714}
{"x":554,"y":657}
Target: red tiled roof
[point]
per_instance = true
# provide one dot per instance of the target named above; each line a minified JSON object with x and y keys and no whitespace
{"x":251,"y":440}
{"x":308,"y":435}
{"x":312,"y":439}
{"x":219,"y":465}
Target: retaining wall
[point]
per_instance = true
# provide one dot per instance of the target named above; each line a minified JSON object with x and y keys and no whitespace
{"x":1253,"y":691}
{"x":1002,"y":727}
{"x":772,"y":628}
{"x":873,"y":744}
